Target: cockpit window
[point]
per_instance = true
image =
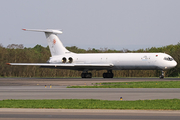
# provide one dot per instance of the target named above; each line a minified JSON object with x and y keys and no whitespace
{"x":168,"y":59}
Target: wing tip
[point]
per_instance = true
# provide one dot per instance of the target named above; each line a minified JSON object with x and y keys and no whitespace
{"x":8,"y":63}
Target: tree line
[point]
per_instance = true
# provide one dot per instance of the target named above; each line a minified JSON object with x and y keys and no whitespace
{"x":39,"y":54}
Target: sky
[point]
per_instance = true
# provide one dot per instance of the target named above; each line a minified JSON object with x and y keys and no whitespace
{"x":112,"y":24}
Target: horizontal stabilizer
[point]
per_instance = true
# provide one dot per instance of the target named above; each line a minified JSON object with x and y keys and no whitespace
{"x":46,"y":30}
{"x":55,"y":45}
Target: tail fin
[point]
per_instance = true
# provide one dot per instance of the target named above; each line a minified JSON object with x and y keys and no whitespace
{"x":55,"y":45}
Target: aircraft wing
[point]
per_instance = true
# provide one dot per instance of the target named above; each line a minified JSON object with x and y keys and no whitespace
{"x":64,"y":66}
{"x":40,"y":64}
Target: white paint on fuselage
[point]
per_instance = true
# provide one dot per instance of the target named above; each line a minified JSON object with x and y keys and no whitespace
{"x":120,"y":61}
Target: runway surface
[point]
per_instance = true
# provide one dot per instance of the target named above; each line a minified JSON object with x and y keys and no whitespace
{"x":34,"y":88}
{"x":74,"y":114}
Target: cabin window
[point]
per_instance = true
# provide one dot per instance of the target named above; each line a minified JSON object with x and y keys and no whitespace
{"x":168,"y":59}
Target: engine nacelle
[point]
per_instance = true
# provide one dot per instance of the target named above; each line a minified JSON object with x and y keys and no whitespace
{"x":70,"y":59}
{"x":64,"y":60}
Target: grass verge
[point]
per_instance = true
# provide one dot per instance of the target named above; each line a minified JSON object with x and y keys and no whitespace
{"x":165,"y":104}
{"x":146,"y":84}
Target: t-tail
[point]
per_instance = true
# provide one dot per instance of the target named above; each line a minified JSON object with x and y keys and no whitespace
{"x":55,"y":45}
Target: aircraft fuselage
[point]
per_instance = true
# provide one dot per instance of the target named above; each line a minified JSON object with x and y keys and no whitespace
{"x":119,"y":61}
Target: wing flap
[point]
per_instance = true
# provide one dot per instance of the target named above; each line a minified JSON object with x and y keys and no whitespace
{"x":95,"y":65}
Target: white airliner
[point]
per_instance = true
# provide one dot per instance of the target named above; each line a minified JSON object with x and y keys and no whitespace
{"x":64,"y":59}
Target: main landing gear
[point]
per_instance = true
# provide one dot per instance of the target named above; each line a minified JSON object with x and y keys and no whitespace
{"x":85,"y":74}
{"x":162,"y":75}
{"x":109,"y":74}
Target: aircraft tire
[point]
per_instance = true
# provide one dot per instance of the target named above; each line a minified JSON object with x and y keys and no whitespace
{"x":104,"y":75}
{"x":86,"y":75}
{"x":112,"y":75}
{"x":82,"y":75}
{"x":108,"y":75}
{"x":161,"y":77}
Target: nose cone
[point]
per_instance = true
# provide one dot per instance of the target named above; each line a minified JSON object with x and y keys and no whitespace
{"x":171,"y":64}
{"x":175,"y":63}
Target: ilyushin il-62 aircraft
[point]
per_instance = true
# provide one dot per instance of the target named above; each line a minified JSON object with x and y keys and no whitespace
{"x":61,"y":58}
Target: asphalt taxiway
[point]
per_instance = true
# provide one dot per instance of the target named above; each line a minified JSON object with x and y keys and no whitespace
{"x":71,"y":81}
{"x":61,"y":92}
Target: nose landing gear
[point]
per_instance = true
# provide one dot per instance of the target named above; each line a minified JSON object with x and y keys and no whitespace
{"x":162,"y":75}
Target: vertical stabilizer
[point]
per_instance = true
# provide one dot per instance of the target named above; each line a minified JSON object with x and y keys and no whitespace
{"x":55,"y":45}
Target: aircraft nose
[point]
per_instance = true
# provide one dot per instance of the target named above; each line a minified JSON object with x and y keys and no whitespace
{"x":174,"y":64}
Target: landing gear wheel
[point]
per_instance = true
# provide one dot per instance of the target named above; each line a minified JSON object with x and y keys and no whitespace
{"x":82,"y":75}
{"x":109,"y":74}
{"x":104,"y":75}
{"x":86,"y":75}
{"x":162,"y":75}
